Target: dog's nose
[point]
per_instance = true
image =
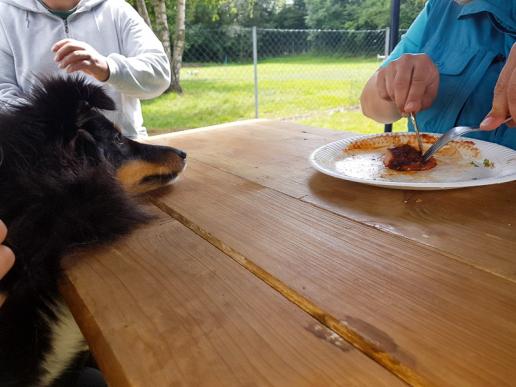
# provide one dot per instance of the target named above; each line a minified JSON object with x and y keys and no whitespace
{"x":180,"y":153}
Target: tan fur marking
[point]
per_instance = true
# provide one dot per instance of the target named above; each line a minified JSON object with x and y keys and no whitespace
{"x":131,"y":173}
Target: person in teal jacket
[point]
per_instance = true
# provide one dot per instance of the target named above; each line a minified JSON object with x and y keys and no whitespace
{"x":456,"y":65}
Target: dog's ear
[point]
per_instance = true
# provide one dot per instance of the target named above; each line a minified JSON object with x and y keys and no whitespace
{"x":65,"y":103}
{"x":93,"y":96}
{"x":85,"y":146}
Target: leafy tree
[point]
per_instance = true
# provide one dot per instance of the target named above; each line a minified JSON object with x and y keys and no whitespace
{"x":370,"y":14}
{"x":358,"y":14}
{"x":329,"y":14}
{"x":259,"y":13}
{"x":409,"y":10}
{"x":210,"y":35}
{"x":211,"y":13}
{"x":291,"y":16}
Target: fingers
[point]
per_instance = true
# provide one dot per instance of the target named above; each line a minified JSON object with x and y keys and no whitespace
{"x":389,"y":84}
{"x":381,"y":86}
{"x":60,"y":44}
{"x":6,"y":254}
{"x":68,"y":48}
{"x":500,"y":108}
{"x":6,"y":260}
{"x":411,"y":83}
{"x":84,"y":66}
{"x":3,"y":231}
{"x":423,"y":88}
{"x":74,"y":58}
{"x":504,"y":98}
{"x":511,"y":97}
{"x":402,"y":84}
{"x":491,"y":122}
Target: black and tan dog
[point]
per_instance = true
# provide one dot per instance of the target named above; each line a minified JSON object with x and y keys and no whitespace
{"x":67,"y":179}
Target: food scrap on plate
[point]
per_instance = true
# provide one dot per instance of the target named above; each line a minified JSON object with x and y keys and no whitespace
{"x":407,"y":158}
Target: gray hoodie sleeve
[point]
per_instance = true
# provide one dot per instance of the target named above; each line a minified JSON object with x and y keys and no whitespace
{"x":9,"y":91}
{"x":143,"y":69}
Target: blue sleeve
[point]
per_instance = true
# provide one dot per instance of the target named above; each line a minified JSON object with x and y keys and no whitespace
{"x":411,"y":41}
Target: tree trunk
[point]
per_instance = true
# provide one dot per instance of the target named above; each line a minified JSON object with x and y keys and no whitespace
{"x":179,"y":46}
{"x":160,"y":9}
{"x":142,"y":10}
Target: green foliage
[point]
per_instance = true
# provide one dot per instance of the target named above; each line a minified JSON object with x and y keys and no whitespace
{"x":321,"y":91}
{"x":217,"y":13}
{"x":292,"y":17}
{"x":233,"y":45}
{"x":211,"y":13}
{"x":371,"y":14}
{"x":217,"y":45}
{"x":329,"y":14}
{"x":257,"y":12}
{"x":299,"y":14}
{"x":211,"y":36}
{"x":359,"y":14}
{"x":409,"y":10}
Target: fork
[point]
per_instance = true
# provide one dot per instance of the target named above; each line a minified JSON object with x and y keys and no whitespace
{"x":448,"y":136}
{"x":418,"y":134}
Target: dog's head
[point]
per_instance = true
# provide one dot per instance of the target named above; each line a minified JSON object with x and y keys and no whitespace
{"x":67,"y":176}
{"x":138,"y":167}
{"x":65,"y":114}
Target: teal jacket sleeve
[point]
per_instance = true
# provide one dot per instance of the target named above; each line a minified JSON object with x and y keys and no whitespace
{"x":411,"y":41}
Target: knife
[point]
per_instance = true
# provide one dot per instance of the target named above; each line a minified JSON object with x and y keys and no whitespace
{"x":418,"y":135}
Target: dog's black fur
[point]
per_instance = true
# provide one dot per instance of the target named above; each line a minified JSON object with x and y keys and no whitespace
{"x":59,"y":189}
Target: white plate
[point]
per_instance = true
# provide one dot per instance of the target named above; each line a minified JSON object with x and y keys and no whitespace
{"x":459,"y":165}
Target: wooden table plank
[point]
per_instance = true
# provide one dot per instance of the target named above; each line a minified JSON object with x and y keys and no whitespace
{"x":165,"y":308}
{"x":275,"y":154}
{"x":268,"y":152}
{"x":429,"y":318}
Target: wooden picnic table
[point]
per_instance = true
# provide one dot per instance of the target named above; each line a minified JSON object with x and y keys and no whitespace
{"x":260,"y":271}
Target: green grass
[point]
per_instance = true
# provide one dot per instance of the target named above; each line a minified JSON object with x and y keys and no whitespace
{"x":306,"y":89}
{"x":352,"y":121}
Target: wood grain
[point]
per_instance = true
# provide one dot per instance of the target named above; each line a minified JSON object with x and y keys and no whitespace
{"x":476,"y":226}
{"x":165,"y":308}
{"x":428,"y":318}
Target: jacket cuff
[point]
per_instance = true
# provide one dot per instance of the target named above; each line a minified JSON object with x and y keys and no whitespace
{"x":114,"y":70}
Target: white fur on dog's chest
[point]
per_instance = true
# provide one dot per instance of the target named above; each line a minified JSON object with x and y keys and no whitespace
{"x":66,"y":341}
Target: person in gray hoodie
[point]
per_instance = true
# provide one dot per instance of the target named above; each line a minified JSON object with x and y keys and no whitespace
{"x":105,"y":39}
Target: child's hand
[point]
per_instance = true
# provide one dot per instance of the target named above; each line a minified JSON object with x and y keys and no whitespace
{"x":6,"y":257}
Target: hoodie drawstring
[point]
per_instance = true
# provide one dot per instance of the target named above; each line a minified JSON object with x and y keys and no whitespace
{"x":27,"y":20}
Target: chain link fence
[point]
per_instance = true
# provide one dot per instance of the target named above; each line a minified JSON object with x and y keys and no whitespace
{"x":310,"y":76}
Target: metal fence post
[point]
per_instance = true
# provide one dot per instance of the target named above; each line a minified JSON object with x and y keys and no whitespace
{"x":255,"y":66}
{"x":387,"y":40}
{"x":393,"y":37}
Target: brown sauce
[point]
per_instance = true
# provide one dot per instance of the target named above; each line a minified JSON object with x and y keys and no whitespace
{"x":407,"y":158}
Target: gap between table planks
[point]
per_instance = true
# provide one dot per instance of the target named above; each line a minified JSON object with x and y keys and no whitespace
{"x":275,"y":154}
{"x":427,"y":318}
{"x":165,"y":308}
